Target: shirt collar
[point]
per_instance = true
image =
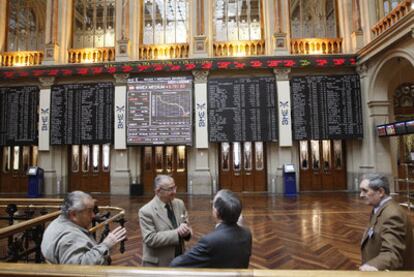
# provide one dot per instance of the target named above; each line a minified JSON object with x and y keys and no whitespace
{"x":382,"y":203}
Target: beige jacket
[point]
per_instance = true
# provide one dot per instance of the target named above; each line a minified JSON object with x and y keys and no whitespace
{"x":388,"y":242}
{"x":158,"y":235}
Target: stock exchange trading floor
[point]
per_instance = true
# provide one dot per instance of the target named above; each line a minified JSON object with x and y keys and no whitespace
{"x":307,"y":231}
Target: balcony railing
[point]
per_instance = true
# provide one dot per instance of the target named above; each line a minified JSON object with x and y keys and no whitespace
{"x":92,"y":55}
{"x":21,"y":58}
{"x":306,"y":46}
{"x":166,"y":51}
{"x":401,"y":10}
{"x":239,"y":48}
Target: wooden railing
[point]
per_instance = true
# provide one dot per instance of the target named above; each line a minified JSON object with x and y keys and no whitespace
{"x":306,"y":46}
{"x":47,"y":270}
{"x":21,"y":58}
{"x":401,"y":10}
{"x":239,"y":48}
{"x":166,"y":51}
{"x":91,"y":55}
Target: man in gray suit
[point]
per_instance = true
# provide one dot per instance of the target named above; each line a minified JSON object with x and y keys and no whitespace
{"x":164,"y":224}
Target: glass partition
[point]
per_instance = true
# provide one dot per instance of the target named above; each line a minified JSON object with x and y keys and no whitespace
{"x":159,"y":159}
{"x":16,"y":158}
{"x":315,"y":154}
{"x":26,"y":158}
{"x":94,"y":23}
{"x":85,"y":158}
{"x":181,"y":158}
{"x":75,"y":158}
{"x":169,"y":153}
{"x":147,"y":157}
{"x":225,"y":156}
{"x":338,"y":154}
{"x":248,"y":156}
{"x":165,"y":21}
{"x":326,"y":152}
{"x":95,"y":158}
{"x":35,"y":153}
{"x":259,"y":155}
{"x":106,"y":157}
{"x":237,"y":20}
{"x":6,"y":159}
{"x":236,"y":156}
{"x":304,"y":154}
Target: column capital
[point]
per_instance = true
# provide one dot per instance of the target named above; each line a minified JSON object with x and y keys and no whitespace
{"x":362,"y":70}
{"x":121,"y":79}
{"x":282,"y":74}
{"x":200,"y":76}
{"x":46,"y":82}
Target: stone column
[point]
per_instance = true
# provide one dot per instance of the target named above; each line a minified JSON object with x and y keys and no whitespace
{"x":374,"y":153}
{"x":64,"y":29}
{"x":198,"y":166}
{"x":51,"y":46}
{"x":122,"y":31}
{"x":284,"y":151}
{"x":281,"y":14}
{"x":135,"y":23}
{"x":46,"y":158}
{"x":357,"y":35}
{"x":3,"y":26}
{"x":200,"y":48}
{"x":120,"y":171}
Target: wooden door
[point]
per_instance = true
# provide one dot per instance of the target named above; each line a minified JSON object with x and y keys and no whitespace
{"x":322,"y":165}
{"x":169,"y":160}
{"x":15,"y":162}
{"x":89,"y":167}
{"x":242,"y":166}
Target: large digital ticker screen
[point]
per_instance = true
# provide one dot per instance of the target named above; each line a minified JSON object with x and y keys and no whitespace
{"x":159,"y":111}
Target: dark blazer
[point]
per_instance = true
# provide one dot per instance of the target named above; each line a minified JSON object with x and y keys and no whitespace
{"x":388,"y":242}
{"x":228,"y":246}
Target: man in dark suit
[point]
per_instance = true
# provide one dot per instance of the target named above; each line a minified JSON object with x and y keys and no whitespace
{"x":228,"y":246}
{"x":388,"y":242}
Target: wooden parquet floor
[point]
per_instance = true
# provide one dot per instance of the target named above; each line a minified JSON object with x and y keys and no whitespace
{"x":309,"y":231}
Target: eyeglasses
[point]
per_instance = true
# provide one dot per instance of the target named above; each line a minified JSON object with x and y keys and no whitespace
{"x":170,"y":189}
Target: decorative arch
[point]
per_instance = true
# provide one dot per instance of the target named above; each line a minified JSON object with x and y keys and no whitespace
{"x":380,"y":79}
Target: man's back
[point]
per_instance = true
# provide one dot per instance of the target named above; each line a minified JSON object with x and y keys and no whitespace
{"x":228,"y":246}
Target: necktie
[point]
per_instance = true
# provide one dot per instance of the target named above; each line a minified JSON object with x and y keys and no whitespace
{"x":171,"y":217}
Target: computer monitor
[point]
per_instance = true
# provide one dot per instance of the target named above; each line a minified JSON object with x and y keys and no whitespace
{"x":381,"y":131}
{"x":409,"y":126}
{"x":390,"y":128}
{"x":400,"y":128}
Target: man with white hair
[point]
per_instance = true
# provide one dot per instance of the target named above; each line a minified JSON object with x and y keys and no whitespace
{"x":164,"y":224}
{"x":67,"y":240}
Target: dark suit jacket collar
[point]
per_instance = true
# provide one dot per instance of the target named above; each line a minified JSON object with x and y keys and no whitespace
{"x":223,"y":225}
